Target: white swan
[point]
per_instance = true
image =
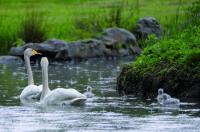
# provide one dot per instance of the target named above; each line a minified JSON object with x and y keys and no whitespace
{"x":160,"y":95}
{"x":30,"y":93}
{"x":89,"y":93}
{"x":59,"y":96}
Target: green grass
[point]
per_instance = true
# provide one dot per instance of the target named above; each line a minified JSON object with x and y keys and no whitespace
{"x":71,"y":20}
{"x":179,"y":52}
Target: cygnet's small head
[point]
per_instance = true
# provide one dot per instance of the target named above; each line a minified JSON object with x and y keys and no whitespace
{"x":160,"y":91}
{"x":89,"y":88}
{"x":30,"y":52}
{"x":44,"y":62}
{"x":165,"y":97}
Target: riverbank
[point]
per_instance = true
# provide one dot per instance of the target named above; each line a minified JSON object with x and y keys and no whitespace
{"x":71,"y":20}
{"x":172,"y":63}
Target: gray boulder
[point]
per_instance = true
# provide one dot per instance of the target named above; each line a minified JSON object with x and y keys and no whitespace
{"x":55,"y":42}
{"x":10,"y":59}
{"x":83,"y":50}
{"x":47,"y":47}
{"x":119,"y":35}
{"x":146,"y":26}
{"x":115,"y":42}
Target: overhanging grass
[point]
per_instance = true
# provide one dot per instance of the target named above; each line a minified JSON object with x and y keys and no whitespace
{"x":180,"y":52}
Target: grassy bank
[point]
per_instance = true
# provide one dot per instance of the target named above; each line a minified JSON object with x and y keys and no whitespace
{"x":172,"y":62}
{"x":78,"y":19}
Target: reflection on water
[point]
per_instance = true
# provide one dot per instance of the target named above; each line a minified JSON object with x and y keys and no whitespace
{"x":105,"y":112}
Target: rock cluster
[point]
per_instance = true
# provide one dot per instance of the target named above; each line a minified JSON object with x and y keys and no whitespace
{"x":114,"y":42}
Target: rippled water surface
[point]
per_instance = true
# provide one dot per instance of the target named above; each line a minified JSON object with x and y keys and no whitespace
{"x":105,"y":112}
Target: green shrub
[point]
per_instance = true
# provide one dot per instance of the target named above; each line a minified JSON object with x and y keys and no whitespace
{"x":182,"y":50}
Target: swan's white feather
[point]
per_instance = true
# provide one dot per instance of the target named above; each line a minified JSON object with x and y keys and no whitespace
{"x":171,"y":102}
{"x":62,"y":96}
{"x":31,"y":92}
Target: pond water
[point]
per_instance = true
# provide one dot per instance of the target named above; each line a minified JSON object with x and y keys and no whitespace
{"x":105,"y":112}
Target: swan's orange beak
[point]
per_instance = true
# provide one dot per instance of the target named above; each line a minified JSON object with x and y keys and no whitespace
{"x":34,"y":52}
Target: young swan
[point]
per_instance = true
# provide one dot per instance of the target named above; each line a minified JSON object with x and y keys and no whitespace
{"x":59,"y":96}
{"x":170,"y":101}
{"x":160,"y":96}
{"x":30,"y":93}
{"x":89,"y":93}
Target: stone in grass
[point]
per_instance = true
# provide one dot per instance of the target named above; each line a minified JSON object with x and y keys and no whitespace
{"x":146,"y":26}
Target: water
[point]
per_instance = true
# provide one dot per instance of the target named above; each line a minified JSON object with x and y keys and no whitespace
{"x":105,"y":112}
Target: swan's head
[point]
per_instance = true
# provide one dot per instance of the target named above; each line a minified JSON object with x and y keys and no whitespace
{"x":165,"y":97}
{"x":160,"y":91}
{"x":89,"y":88}
{"x":30,"y":52}
{"x":44,"y":62}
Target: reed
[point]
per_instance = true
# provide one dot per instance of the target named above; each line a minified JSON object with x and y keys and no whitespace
{"x":33,"y":28}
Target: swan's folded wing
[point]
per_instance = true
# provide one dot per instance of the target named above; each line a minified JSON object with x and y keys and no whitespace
{"x":69,"y":93}
{"x":30,"y":91}
{"x":61,"y":95}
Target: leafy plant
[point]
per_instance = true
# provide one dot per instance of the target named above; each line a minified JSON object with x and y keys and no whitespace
{"x":19,"y":42}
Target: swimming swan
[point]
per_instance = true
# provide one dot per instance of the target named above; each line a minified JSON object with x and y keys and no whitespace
{"x":89,"y":93}
{"x":59,"y":96}
{"x":160,"y":96}
{"x":30,"y":93}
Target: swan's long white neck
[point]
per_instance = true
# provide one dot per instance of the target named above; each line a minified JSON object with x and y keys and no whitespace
{"x":45,"y":88}
{"x":29,"y":70}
